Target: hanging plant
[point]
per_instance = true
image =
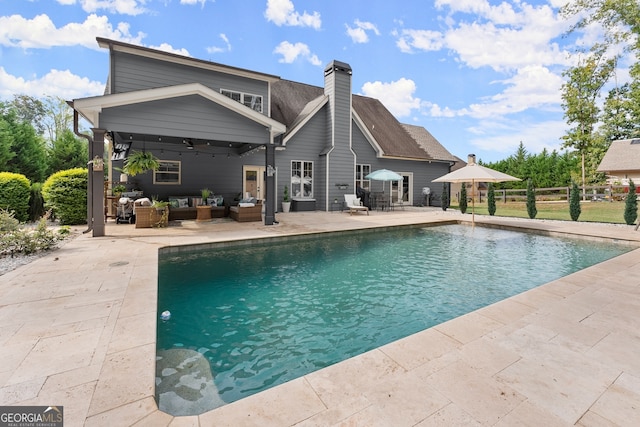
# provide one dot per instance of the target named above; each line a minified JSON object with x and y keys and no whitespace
{"x":139,"y":162}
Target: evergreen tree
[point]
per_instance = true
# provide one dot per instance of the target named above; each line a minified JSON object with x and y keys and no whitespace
{"x":574,"y":202}
{"x":631,"y":205}
{"x":445,"y":196}
{"x":531,"y":200}
{"x":491,"y":199}
{"x":67,"y":152}
{"x":463,"y":197}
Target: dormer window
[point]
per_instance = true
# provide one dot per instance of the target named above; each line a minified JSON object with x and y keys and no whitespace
{"x":250,"y":100}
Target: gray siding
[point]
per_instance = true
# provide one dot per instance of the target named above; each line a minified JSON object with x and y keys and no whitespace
{"x":221,"y":174}
{"x":188,"y":117}
{"x":423,"y":171}
{"x":134,"y":72}
{"x":306,"y":145}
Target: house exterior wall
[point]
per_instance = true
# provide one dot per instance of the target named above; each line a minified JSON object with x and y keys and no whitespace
{"x":133,"y":72}
{"x":189,"y":117}
{"x":306,"y":146}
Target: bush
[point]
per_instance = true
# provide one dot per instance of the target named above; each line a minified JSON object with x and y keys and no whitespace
{"x":532,"y":211}
{"x":14,"y":194}
{"x":65,"y":193}
{"x":463,"y":198}
{"x":574,"y":202}
{"x":16,"y":240}
{"x":491,"y":199}
{"x":631,"y":205}
{"x":36,"y":202}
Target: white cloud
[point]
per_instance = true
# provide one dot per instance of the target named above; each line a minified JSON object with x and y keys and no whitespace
{"x":396,"y":96}
{"x":123,"y":7}
{"x":63,"y":84}
{"x":193,"y":2}
{"x":291,"y":52}
{"x":505,"y":136}
{"x":419,"y":39}
{"x":531,"y":87}
{"x":168,"y":48}
{"x":217,"y":49}
{"x":282,"y":12}
{"x":41,"y":32}
{"x":358,"y":33}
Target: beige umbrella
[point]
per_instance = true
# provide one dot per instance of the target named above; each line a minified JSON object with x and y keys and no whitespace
{"x":473,"y":173}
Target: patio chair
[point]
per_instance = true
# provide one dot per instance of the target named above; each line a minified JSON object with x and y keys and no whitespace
{"x":354,"y":205}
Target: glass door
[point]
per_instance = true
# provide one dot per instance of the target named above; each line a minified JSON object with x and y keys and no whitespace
{"x":253,"y":182}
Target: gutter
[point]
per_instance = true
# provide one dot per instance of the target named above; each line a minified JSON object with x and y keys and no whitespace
{"x":90,"y":175}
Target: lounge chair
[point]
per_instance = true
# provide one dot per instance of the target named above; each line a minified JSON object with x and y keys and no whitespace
{"x":354,"y":205}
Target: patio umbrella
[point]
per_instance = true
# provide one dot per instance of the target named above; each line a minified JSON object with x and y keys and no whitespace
{"x":473,"y":172}
{"x":385,"y":175}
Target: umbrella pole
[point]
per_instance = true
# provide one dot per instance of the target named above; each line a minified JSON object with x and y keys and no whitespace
{"x":473,"y":203}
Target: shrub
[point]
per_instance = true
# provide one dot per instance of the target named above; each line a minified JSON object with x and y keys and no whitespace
{"x":14,"y":194}
{"x":532,"y":211}
{"x":65,"y":193}
{"x":19,"y":240}
{"x":463,"y":198}
{"x":445,"y":196}
{"x":631,"y":205}
{"x":491,"y":199}
{"x":574,"y":202}
{"x":36,"y":202}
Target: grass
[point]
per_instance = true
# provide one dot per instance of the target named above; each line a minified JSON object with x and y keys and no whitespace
{"x":608,"y":212}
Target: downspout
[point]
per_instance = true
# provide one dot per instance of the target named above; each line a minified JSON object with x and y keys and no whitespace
{"x":90,"y":177}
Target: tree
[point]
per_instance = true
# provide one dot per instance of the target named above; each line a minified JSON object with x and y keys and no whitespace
{"x":579,"y":99}
{"x":463,"y":197}
{"x":531,"y":200}
{"x":29,"y":156}
{"x":574,"y":202}
{"x":67,"y":152}
{"x":631,"y":205}
{"x":491,"y":199}
{"x":6,"y":144}
{"x":445,"y":196}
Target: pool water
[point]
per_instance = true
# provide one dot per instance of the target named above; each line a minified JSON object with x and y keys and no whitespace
{"x":265,"y":314}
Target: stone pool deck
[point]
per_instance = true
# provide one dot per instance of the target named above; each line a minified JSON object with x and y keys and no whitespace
{"x":77,"y":328}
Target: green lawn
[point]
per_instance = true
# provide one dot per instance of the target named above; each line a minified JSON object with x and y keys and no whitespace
{"x":611,"y":212}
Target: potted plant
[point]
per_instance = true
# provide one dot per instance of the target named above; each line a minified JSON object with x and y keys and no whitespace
{"x":139,"y":162}
{"x":204,"y":210}
{"x":159,"y":213}
{"x":118,"y":190}
{"x":286,"y":202}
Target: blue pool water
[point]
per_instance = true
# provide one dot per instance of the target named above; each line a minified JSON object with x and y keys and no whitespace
{"x":265,"y":314}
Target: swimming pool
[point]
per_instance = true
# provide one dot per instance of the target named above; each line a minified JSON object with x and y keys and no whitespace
{"x":244,"y":319}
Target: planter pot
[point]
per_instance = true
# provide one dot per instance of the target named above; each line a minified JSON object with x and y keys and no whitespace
{"x":286,"y":206}
{"x":203,"y":213}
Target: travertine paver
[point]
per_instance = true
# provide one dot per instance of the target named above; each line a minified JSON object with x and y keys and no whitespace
{"x":77,"y":328}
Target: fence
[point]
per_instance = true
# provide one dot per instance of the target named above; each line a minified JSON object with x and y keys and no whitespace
{"x":558,"y":194}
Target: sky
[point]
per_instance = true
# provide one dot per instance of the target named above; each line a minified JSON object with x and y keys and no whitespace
{"x":482,"y":76}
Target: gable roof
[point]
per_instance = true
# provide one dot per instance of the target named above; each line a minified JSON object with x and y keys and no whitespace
{"x":622,"y":155}
{"x":429,"y":143}
{"x":293,"y":103}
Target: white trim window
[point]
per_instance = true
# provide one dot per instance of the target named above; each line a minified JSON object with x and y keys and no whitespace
{"x":169,"y":173}
{"x":302,"y":179}
{"x":361,"y":172}
{"x":247,"y":99}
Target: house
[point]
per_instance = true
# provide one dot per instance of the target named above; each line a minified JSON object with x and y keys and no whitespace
{"x":239,"y":132}
{"x":621,"y":162}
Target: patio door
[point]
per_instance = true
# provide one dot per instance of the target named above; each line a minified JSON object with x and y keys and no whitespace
{"x":253,"y":181}
{"x":403,"y":190}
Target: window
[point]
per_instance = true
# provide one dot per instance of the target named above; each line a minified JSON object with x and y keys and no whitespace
{"x":302,"y":179}
{"x":168,"y":173}
{"x":361,"y":172}
{"x":252,"y":101}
